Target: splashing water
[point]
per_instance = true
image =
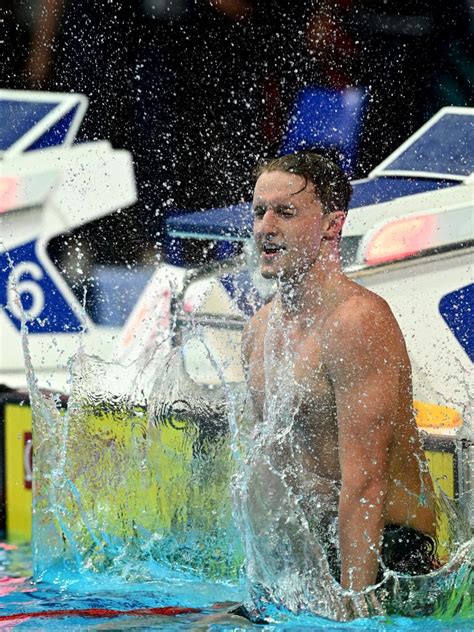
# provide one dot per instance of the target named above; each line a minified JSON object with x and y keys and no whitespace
{"x":134,"y":480}
{"x":114,"y":483}
{"x":283,"y":552}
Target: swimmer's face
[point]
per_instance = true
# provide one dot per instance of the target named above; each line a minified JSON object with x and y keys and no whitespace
{"x":288,"y":224}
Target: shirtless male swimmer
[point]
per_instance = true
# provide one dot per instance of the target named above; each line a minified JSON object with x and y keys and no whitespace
{"x":355,"y":427}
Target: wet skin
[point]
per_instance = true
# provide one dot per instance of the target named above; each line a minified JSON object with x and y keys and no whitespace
{"x":355,"y":425}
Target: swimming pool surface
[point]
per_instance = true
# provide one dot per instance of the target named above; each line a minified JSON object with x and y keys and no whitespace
{"x":172,"y":601}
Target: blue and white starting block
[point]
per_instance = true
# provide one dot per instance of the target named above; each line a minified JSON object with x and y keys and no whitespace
{"x":48,"y":186}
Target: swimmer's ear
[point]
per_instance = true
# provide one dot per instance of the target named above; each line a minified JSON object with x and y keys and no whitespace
{"x":332,"y":225}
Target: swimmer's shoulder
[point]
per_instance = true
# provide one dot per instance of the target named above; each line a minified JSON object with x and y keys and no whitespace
{"x":359,"y":302}
{"x":361,"y":316}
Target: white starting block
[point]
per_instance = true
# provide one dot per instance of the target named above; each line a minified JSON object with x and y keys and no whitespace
{"x":49,"y":186}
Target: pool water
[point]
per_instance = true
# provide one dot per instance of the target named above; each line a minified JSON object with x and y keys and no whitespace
{"x":97,"y":601}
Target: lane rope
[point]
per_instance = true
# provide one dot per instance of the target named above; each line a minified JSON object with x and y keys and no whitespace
{"x":165,"y":611}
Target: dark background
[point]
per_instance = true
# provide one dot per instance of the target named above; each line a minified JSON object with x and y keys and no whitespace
{"x":198,"y":90}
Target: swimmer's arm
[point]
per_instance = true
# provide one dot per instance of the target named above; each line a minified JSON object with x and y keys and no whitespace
{"x":365,"y":379}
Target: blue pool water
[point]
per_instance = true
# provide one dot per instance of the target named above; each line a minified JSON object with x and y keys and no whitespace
{"x":79,"y":592}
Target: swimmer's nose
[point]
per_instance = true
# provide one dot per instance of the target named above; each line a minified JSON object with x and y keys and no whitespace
{"x":266,"y":225}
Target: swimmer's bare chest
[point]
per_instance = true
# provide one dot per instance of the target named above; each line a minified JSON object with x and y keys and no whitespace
{"x":299,"y":357}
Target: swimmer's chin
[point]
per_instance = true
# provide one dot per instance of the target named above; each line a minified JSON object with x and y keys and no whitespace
{"x":270,"y":274}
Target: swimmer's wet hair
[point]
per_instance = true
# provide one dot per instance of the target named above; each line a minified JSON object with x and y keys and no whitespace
{"x":331,"y":183}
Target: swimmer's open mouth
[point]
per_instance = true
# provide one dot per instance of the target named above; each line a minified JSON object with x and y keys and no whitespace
{"x":269,"y":249}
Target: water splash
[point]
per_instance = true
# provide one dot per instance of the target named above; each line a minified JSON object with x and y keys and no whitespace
{"x":134,"y":480}
{"x":120,"y":479}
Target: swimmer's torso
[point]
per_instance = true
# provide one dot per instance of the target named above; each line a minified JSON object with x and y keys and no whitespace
{"x":296,"y":428}
{"x":289,"y":389}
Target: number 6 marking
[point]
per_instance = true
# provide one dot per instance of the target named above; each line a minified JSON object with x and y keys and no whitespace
{"x":17,"y":288}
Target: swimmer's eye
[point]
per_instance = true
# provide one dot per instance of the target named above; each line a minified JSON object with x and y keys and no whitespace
{"x":285,"y":212}
{"x":282,"y":211}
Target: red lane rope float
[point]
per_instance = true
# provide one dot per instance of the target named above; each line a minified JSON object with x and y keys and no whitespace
{"x":167,"y":611}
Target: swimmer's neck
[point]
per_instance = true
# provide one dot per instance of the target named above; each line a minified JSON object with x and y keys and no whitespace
{"x":312,"y":291}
